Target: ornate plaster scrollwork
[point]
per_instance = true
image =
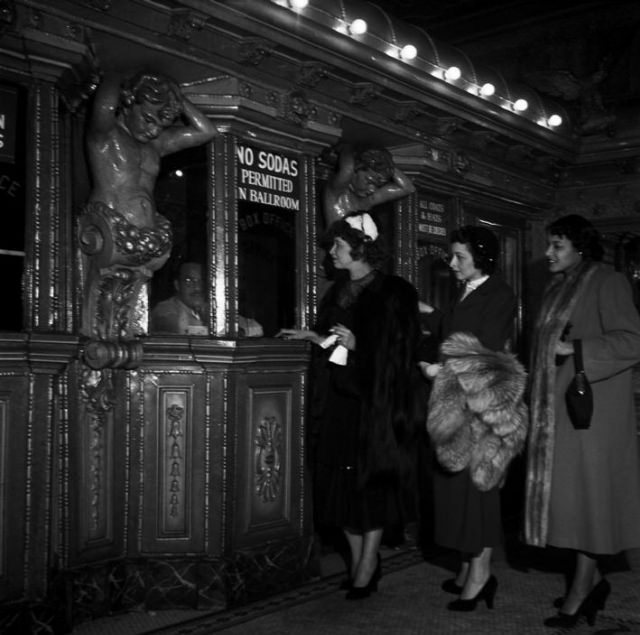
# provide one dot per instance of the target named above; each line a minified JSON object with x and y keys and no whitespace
{"x":98,"y":398}
{"x":268,"y":453}
{"x":254,"y":50}
{"x":519,"y":153}
{"x":297,"y":107}
{"x":311,"y":74}
{"x":446,"y":126}
{"x":365,"y":93}
{"x":406,"y":112}
{"x":184,"y":23}
{"x":122,"y":258}
{"x":482,"y":139}
{"x":175,"y":460}
{"x":460,"y":163}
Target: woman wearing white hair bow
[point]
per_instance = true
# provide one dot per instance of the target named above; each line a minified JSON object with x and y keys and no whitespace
{"x":362,"y":420}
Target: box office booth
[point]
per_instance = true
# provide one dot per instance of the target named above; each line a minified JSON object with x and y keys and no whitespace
{"x":169,"y":470}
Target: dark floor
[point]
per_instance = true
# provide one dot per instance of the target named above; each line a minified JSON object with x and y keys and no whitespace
{"x":409,"y":601}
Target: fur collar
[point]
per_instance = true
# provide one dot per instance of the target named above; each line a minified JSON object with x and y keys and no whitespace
{"x":557,"y":305}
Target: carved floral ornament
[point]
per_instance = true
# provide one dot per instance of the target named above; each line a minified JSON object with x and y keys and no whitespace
{"x":268,"y":463}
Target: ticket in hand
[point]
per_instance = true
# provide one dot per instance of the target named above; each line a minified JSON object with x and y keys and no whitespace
{"x":329,"y":341}
{"x":339,"y":355}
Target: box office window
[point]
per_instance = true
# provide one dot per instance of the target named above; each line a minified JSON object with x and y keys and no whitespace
{"x":12,"y":203}
{"x":181,"y":197}
{"x":268,"y":208}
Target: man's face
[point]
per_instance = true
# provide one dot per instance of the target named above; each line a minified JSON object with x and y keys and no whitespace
{"x":190,"y":286}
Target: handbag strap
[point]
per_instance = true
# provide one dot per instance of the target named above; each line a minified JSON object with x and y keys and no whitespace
{"x":577,"y":356}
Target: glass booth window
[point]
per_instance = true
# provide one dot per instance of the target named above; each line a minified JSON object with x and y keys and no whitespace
{"x":12,"y":203}
{"x":268,"y":206}
{"x":178,"y":291}
{"x":266,"y":268}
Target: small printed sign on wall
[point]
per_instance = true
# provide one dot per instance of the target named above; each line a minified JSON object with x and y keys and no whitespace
{"x":8,"y":104}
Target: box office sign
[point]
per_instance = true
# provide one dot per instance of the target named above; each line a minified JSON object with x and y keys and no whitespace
{"x":268,"y":178}
{"x":432,"y":219}
{"x":8,"y":107}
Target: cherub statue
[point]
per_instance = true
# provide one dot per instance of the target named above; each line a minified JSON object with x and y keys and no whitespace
{"x":133,"y":124}
{"x":364,"y":177}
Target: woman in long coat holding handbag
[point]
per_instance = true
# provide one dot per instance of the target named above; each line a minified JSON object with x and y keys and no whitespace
{"x":583,"y":485}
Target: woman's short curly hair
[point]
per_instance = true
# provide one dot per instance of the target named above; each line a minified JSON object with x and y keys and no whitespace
{"x":483,"y":245}
{"x":584,"y":237}
{"x":373,"y":252}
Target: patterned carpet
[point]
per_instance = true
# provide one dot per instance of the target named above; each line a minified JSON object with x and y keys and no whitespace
{"x":410,"y":602}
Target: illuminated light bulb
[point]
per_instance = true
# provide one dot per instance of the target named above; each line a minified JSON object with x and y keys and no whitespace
{"x":298,"y":4}
{"x":453,"y":73}
{"x":358,"y":27}
{"x":520,"y":105}
{"x":408,"y":52}
{"x":486,"y":90}
{"x":179,"y":173}
{"x":554,"y":121}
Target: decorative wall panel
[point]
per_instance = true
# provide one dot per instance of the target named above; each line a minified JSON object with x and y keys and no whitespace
{"x":269,"y":477}
{"x":173,"y":473}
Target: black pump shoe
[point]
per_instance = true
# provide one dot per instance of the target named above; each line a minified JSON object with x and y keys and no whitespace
{"x":362,"y":592}
{"x":486,"y":593}
{"x":450,"y":586}
{"x":590,"y":606}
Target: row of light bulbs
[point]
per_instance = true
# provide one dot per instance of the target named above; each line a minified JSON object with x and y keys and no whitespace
{"x":409,"y":52}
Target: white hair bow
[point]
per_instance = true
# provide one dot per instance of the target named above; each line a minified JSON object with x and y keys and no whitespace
{"x":364,"y":223}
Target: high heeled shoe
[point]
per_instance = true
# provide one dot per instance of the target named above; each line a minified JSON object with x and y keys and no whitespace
{"x":486,"y":593}
{"x":450,"y":586}
{"x":590,"y":606}
{"x":362,"y":592}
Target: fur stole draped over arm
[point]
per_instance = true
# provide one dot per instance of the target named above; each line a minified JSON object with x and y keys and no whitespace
{"x":477,"y":416}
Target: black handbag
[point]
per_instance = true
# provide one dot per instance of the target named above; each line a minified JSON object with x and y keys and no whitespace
{"x":579,"y":397}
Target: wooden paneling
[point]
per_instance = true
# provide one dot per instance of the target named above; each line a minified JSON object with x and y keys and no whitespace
{"x":171,"y":510}
{"x":13,"y":476}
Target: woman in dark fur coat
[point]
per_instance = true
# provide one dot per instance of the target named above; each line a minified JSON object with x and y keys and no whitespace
{"x":368,"y":326}
{"x":466,"y":518}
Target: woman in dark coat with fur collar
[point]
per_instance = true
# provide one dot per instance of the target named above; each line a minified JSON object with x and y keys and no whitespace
{"x":466,"y":518}
{"x":368,"y":326}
